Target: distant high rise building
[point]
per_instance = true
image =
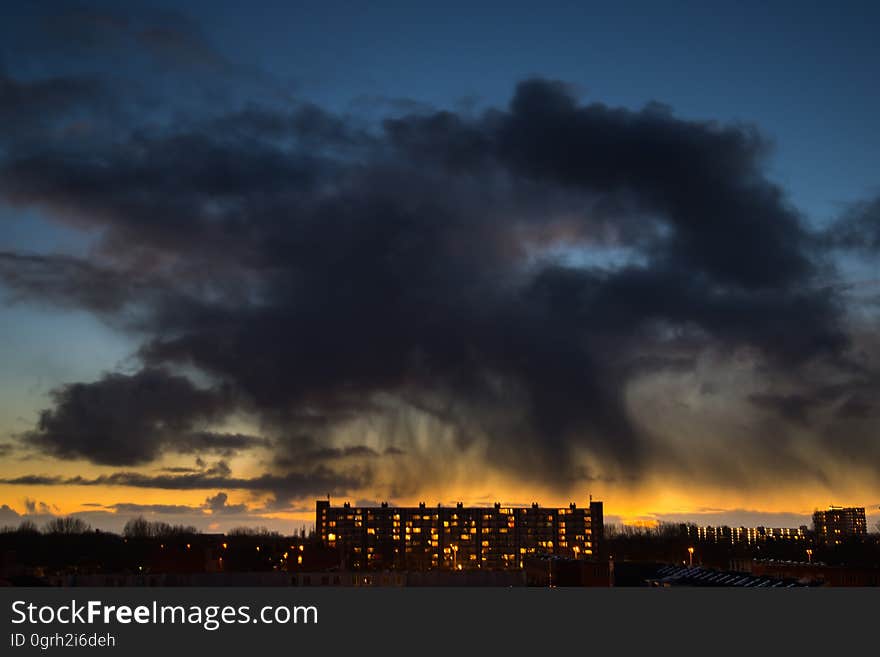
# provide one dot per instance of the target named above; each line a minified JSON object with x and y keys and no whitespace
{"x":459,"y":537}
{"x":837,"y":523}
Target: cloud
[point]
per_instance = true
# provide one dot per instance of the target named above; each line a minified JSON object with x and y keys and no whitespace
{"x":40,"y":109}
{"x":161,"y":509}
{"x":792,"y":407}
{"x":715,"y":198}
{"x":9,"y":517}
{"x":34,"y":480}
{"x":286,"y":486}
{"x":74,"y":283}
{"x":132,"y":419}
{"x":307,"y":451}
{"x":218,"y":504}
{"x":432,"y":285}
{"x":201,"y":466}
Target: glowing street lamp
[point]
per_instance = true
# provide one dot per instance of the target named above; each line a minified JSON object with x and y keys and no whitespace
{"x":809,"y":555}
{"x":691,"y":556}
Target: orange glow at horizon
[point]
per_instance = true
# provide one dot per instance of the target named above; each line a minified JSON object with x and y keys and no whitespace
{"x":644,"y":506}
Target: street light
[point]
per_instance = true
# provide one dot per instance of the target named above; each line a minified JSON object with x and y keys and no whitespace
{"x":809,"y":555}
{"x":454,"y":555}
{"x":691,"y":556}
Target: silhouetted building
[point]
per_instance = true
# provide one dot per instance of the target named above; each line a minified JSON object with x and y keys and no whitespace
{"x":838,"y":523}
{"x":458,"y":538}
{"x":745,"y":535}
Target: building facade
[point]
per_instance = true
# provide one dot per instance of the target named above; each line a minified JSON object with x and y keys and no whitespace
{"x":457,"y":538}
{"x":837,"y":523}
{"x":745,"y":535}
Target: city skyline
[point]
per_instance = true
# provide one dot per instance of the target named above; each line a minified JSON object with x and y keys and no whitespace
{"x":248,"y":261}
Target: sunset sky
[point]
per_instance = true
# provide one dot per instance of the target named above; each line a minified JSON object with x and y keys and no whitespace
{"x":474,"y":252}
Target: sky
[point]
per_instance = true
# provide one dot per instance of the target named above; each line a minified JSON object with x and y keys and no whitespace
{"x":254,"y":256}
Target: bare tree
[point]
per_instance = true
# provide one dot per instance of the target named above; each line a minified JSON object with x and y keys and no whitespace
{"x":140,"y":527}
{"x":137,"y":528}
{"x":27,"y":527}
{"x":67,"y":525}
{"x":253,"y":531}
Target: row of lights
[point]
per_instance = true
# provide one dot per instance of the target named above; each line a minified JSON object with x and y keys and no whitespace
{"x":691,"y":555}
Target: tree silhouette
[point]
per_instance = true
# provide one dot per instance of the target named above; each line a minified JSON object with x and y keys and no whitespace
{"x":67,"y":525}
{"x":27,"y":527}
{"x":140,"y":527}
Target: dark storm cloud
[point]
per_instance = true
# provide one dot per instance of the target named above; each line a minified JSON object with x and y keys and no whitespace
{"x":853,"y":398}
{"x":127,"y":420}
{"x":34,"y":480}
{"x":839,"y":417}
{"x":218,"y":504}
{"x":76,"y":283}
{"x":433,"y":281}
{"x":307,"y":451}
{"x":858,"y":408}
{"x":792,"y":407}
{"x":220,"y":468}
{"x":705,"y":180}
{"x":311,"y":262}
{"x":224,"y":444}
{"x":318,"y":481}
{"x":166,"y":192}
